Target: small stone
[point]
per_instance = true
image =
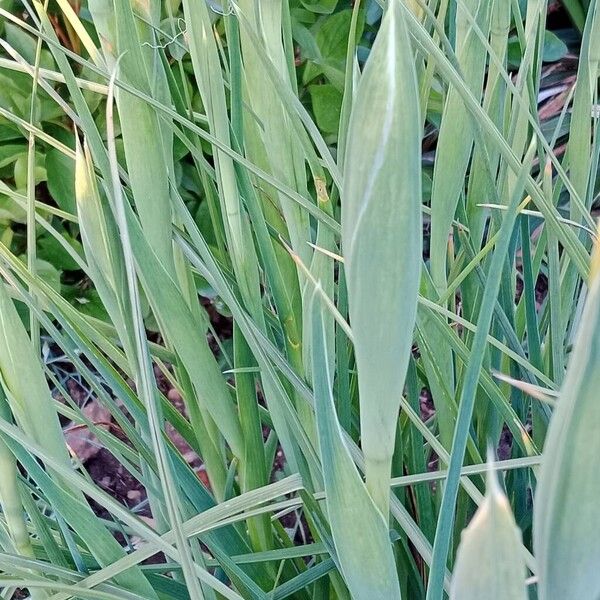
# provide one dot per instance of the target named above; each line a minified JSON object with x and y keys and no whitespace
{"x":174,"y":396}
{"x":134,"y":495}
{"x":81,"y":441}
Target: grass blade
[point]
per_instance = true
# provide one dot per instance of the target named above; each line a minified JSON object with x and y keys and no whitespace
{"x":467,"y":401}
{"x":367,"y":562}
{"x":451,"y":160}
{"x":568,"y":482}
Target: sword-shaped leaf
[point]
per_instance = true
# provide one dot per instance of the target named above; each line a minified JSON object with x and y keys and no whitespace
{"x":566,"y":526}
{"x":366,"y":561}
{"x":381,"y":237}
{"x":490,"y":562}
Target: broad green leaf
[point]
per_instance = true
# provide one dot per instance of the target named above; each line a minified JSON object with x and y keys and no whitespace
{"x":26,"y":45}
{"x":47,"y":272}
{"x":381,"y":238}
{"x":366,"y":561}
{"x":331,"y":38}
{"x":60,"y":171}
{"x":9,"y":153}
{"x":554,"y":48}
{"x":52,"y":251}
{"x":490,"y":562}
{"x":327,"y":105}
{"x":11,"y":211}
{"x":320,"y":6}
{"x":21,"y":170}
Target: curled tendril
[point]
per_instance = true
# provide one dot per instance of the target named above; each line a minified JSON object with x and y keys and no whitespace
{"x":170,"y":39}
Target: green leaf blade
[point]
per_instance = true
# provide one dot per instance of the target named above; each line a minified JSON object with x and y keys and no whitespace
{"x":366,"y":561}
{"x":490,"y":561}
{"x":381,"y":237}
{"x":566,"y":532}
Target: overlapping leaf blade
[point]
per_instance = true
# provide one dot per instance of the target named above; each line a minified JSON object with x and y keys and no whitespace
{"x":566,"y":533}
{"x":366,"y":561}
{"x":33,"y":408}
